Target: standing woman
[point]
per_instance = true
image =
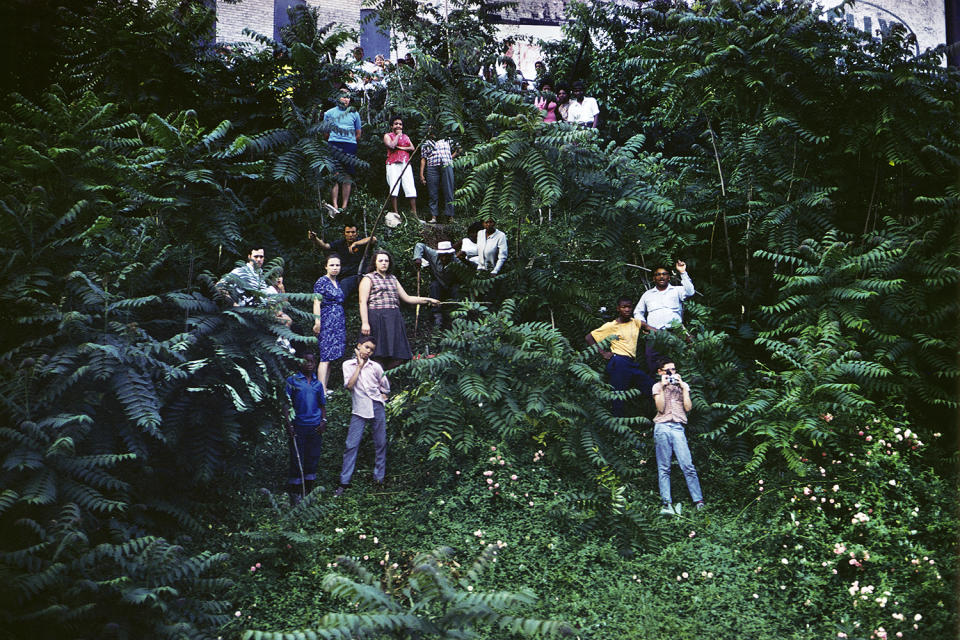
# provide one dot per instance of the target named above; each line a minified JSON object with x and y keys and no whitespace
{"x":380,"y":296}
{"x":330,"y":325}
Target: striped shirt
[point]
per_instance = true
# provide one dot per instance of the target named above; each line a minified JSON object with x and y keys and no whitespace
{"x":383,"y":291}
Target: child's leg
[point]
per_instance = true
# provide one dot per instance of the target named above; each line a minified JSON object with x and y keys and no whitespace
{"x":354,"y":434}
{"x":379,"y":441}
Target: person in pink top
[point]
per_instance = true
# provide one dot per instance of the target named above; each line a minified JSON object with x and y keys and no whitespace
{"x":399,"y":174}
{"x":546,"y":102}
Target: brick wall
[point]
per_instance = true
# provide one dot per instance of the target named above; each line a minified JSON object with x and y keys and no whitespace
{"x":251,"y":14}
{"x":346,"y":12}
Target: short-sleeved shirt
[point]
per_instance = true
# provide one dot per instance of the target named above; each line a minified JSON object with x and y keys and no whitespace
{"x":345,"y":124}
{"x":349,"y":262}
{"x":673,"y":410}
{"x":395,"y":156}
{"x":583,"y":113}
{"x":370,"y":387}
{"x":308,"y":400}
{"x":627,"y":335}
{"x":437,"y":153}
{"x":661,"y":308}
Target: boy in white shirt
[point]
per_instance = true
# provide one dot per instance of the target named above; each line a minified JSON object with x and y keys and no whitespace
{"x":368,"y":393}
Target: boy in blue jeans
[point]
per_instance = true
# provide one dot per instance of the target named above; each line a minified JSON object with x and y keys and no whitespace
{"x":672,"y":397}
{"x":306,"y":432}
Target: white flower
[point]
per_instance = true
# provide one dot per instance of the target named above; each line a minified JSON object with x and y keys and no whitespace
{"x":784,"y":561}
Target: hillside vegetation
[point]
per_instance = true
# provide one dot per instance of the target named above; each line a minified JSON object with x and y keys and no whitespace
{"x":808,"y":175}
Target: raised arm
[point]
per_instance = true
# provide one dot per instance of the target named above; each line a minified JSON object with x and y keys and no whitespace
{"x":685,"y":280}
{"x":317,"y":240}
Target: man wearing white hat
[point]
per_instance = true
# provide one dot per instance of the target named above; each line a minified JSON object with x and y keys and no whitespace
{"x":440,"y":261}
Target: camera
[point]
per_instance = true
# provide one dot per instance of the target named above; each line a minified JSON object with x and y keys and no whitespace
{"x":673,"y":379}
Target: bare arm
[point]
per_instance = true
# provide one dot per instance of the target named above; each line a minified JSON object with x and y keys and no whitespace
{"x":317,"y":240}
{"x":364,"y":293}
{"x":316,"y":314}
{"x":414,"y":299}
{"x":658,"y":399}
{"x":423,"y":164}
{"x":590,"y":341}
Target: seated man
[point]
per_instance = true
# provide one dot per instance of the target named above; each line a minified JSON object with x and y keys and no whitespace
{"x":441,"y":261}
{"x":351,"y":250}
{"x":622,"y":366}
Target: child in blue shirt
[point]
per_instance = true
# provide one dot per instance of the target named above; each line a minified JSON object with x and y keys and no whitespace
{"x":306,"y":432}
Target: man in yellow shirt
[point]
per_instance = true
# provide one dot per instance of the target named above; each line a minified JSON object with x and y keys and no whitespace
{"x":622,"y":366}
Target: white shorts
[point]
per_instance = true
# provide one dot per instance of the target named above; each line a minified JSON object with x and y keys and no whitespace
{"x":406,"y":180}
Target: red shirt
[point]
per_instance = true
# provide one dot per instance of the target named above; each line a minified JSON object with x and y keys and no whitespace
{"x":399,"y":155}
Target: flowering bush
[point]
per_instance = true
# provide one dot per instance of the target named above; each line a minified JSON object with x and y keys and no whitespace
{"x":869,"y":520}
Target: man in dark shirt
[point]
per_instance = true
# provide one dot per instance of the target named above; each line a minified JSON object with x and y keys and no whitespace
{"x":351,"y":250}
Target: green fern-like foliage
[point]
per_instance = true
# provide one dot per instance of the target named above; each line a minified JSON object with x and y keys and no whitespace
{"x":497,"y":380}
{"x":437,"y":600}
{"x":125,"y":389}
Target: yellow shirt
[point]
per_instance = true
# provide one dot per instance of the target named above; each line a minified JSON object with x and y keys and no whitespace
{"x":627,"y":334}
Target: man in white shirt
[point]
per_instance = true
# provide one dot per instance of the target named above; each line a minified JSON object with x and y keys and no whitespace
{"x":583,"y":111}
{"x":661,"y":306}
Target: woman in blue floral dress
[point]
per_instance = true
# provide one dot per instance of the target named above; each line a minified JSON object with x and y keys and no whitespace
{"x":330,"y":325}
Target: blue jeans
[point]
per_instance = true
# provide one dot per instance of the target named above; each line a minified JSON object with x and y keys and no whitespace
{"x":355,"y":433}
{"x":669,"y":439}
{"x":438,"y":177}
{"x":625,"y":373}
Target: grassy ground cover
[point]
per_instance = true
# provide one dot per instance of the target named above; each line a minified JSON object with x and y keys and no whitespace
{"x":762,"y":561}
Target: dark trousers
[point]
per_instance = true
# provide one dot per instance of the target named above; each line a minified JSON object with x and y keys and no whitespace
{"x":306,"y":454}
{"x":625,"y":374}
{"x":349,"y":284}
{"x":437,"y":178}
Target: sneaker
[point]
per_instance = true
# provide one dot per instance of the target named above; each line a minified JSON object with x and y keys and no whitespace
{"x":667,"y":510}
{"x":700,"y":505}
{"x":339,"y":491}
{"x":332,"y":211}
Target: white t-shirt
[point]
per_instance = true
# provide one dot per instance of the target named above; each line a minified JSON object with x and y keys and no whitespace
{"x":583,"y":113}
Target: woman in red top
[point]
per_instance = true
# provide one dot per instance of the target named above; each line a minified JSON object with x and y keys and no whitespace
{"x":399,"y":173}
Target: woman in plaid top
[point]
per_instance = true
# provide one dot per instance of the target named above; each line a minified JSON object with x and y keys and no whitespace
{"x":380,"y":296}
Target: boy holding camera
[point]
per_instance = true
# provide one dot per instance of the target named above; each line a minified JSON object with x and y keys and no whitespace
{"x":672,"y":398}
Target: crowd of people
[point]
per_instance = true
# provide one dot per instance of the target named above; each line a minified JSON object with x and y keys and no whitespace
{"x":383,"y":344}
{"x":353,"y":264}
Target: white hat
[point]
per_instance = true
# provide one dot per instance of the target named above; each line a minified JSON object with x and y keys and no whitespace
{"x":444,"y":246}
{"x":393,"y":220}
